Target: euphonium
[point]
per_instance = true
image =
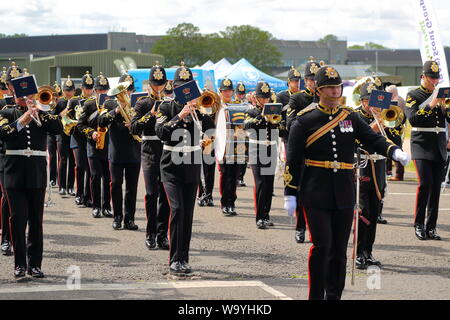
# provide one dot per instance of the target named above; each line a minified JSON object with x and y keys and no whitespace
{"x":392,"y":117}
{"x":120,"y":92}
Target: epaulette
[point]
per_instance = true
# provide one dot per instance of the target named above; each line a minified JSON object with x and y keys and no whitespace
{"x":306,"y":110}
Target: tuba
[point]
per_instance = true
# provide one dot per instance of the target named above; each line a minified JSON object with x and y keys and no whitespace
{"x":120,"y":92}
{"x":357,"y":89}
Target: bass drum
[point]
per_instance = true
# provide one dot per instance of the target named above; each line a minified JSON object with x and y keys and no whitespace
{"x":231,"y":144}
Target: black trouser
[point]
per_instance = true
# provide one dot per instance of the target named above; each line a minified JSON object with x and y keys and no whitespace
{"x":229,"y":175}
{"x":131,"y":173}
{"x":156,"y":204}
{"x":27,"y":206}
{"x":52,"y":160}
{"x":262,"y":193}
{"x":430,"y":175}
{"x":5,"y":213}
{"x":181,"y":198}
{"x":83,"y":175}
{"x":330,"y":232}
{"x":371,"y":208}
{"x":100,"y":172}
{"x":242,"y":170}
{"x":399,"y":168}
{"x":209,"y":171}
{"x":300,"y":214}
{"x":66,"y":175}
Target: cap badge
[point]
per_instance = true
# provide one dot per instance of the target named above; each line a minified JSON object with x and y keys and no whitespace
{"x":184,"y":74}
{"x":227,"y":82}
{"x":158,"y":75}
{"x":331,"y":73}
{"x":265,"y":88}
{"x":241,"y":87}
{"x":314,"y":68}
{"x":371,"y":87}
{"x":434,"y":67}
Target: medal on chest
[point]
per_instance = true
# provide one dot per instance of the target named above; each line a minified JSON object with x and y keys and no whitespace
{"x":346,"y":126}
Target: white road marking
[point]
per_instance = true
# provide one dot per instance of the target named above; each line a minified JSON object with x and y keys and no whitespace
{"x":412,"y":194}
{"x":150,"y":286}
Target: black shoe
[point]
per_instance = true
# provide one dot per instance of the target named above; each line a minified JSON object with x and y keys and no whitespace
{"x":88,"y":204}
{"x":130,"y":225}
{"x":381,"y":220}
{"x":432,"y":235}
{"x":241,"y":183}
{"x":420,"y":232}
{"x":107,"y":213}
{"x":53,"y":183}
{"x":6,"y":248}
{"x":19,"y":272}
{"x":209,"y":202}
{"x":79,"y":201}
{"x":232,"y":211}
{"x":269,"y":223}
{"x":117,"y":225}
{"x":226,"y":211}
{"x":185,"y":267}
{"x":175,"y":268}
{"x":261,"y":224}
{"x":35,"y":272}
{"x":300,"y":236}
{"x":371,"y":261}
{"x":71,"y":192}
{"x":361,"y":262}
{"x":150,"y":242}
{"x":62,"y":192}
{"x":163,"y":242}
{"x":201,"y":202}
{"x":96,"y":213}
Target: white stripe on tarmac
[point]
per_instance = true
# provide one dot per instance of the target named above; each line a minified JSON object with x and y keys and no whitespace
{"x":412,"y":194}
{"x":150,"y":286}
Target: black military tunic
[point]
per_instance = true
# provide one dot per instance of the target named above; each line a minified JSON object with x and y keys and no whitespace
{"x":263,"y":139}
{"x":429,"y":152}
{"x":125,"y":161}
{"x":297,"y":103}
{"x":5,"y":214}
{"x":180,"y":172}
{"x":97,"y":159}
{"x":327,"y":188}
{"x":25,"y":180}
{"x":156,"y":203}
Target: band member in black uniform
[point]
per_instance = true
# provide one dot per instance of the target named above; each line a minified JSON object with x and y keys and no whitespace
{"x":25,"y":177}
{"x":297,"y":103}
{"x":229,"y":172}
{"x":78,"y":143}
{"x":97,"y":158}
{"x":6,"y":248}
{"x":168,"y":89}
{"x":180,"y":169}
{"x":428,"y":117}
{"x":52,"y":158}
{"x":294,"y":77}
{"x":240,"y":99}
{"x":263,"y":136}
{"x":66,"y":163}
{"x":143,"y":123}
{"x":373,"y":182}
{"x":124,"y":156}
{"x":320,"y":166}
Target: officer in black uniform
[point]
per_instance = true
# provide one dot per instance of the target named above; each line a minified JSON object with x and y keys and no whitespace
{"x":320,"y":166}
{"x":263,"y":136}
{"x":66,"y":163}
{"x":143,"y":123}
{"x":373,"y":182}
{"x":4,"y":213}
{"x":294,"y":78}
{"x":241,"y":99}
{"x":97,"y":158}
{"x":25,"y":177}
{"x":124,"y":158}
{"x":180,"y":169}
{"x":229,"y":172}
{"x":52,"y":160}
{"x":297,"y":103}
{"x":78,"y":143}
{"x":428,"y":117}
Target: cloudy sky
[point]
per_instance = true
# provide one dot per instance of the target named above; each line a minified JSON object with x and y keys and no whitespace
{"x":389,"y":22}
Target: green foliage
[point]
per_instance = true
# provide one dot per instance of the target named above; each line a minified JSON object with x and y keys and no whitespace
{"x":328,"y":37}
{"x":356,"y":47}
{"x":185,"y":43}
{"x":368,"y":46}
{"x":15,"y":35}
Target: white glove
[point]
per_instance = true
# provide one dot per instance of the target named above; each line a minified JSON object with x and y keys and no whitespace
{"x":401,"y":157}
{"x":290,"y":204}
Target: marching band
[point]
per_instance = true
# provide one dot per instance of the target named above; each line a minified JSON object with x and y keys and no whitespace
{"x":102,"y":140}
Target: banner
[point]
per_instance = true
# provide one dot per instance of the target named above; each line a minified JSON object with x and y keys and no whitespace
{"x":431,"y":45}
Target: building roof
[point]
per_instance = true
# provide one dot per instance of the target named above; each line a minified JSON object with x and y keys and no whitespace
{"x":400,"y":57}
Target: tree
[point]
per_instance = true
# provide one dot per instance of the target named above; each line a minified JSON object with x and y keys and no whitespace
{"x":15,"y":35}
{"x":368,"y":46}
{"x":327,"y":38}
{"x":254,"y":45}
{"x":356,"y":47}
